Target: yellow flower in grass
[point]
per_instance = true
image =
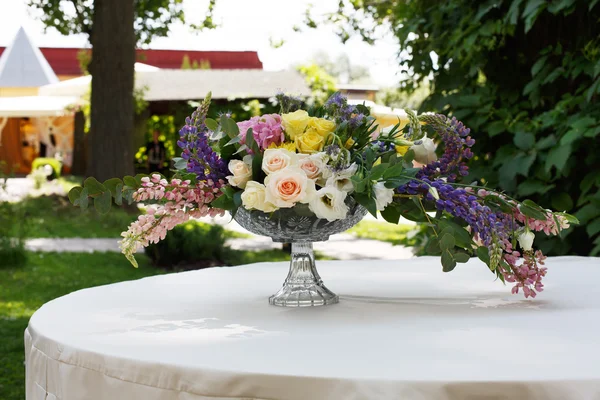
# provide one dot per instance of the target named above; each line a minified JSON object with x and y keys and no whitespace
{"x":295,"y":123}
{"x":321,"y":125}
{"x":310,"y":142}
{"x":290,"y":146}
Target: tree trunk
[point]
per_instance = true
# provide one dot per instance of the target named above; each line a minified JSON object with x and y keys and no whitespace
{"x":79,"y":150}
{"x":110,"y":151}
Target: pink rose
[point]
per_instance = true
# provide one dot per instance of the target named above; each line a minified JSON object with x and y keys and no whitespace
{"x":288,"y":186}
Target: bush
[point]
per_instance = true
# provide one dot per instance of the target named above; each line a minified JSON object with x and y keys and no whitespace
{"x":192,"y":245}
{"x":13,"y":230}
{"x":53,"y":162}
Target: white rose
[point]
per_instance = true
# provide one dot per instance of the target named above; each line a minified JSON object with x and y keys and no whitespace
{"x":425,"y":151}
{"x":253,"y":197}
{"x":313,"y":165}
{"x":288,"y":186}
{"x":526,"y":240}
{"x":341,"y":180}
{"x":383,"y":195}
{"x":276,"y":159}
{"x":329,"y":203}
{"x":242,"y":172}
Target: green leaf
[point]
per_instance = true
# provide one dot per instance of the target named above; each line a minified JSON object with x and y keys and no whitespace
{"x":378,"y":170}
{"x":498,"y":202}
{"x":180,"y":163}
{"x":538,"y":65}
{"x":448,"y":262}
{"x":562,"y":201}
{"x":391,"y":214}
{"x":587,"y":212}
{"x":360,"y":184}
{"x":235,"y":140}
{"x":103,"y":202}
{"x":229,"y":127}
{"x":211,"y":124}
{"x":223,"y":202}
{"x":593,"y":227}
{"x":523,"y":140}
{"x":408,"y":158}
{"x":228,"y":191}
{"x":367,"y":202}
{"x":250,"y":142}
{"x":94,"y":187}
{"x":393,"y":171}
{"x":557,"y":157}
{"x":496,"y":128}
{"x":461,"y":235}
{"x":75,"y":194}
{"x":130,"y":181}
{"x":570,"y":218}
{"x":111,"y":184}
{"x":531,"y":11}
{"x":257,"y":172}
{"x":83,"y":199}
{"x":119,"y":194}
{"x":242,"y":148}
{"x":447,"y":242}
{"x":461,"y":256}
{"x":483,"y":254}
{"x":532,"y":212}
{"x":237,"y":199}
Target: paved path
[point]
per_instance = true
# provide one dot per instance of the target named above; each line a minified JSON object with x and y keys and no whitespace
{"x":342,"y":247}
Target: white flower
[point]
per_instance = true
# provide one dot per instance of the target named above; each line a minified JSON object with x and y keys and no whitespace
{"x":526,"y":240}
{"x":313,"y":164}
{"x":241,"y":170}
{"x":425,"y":151}
{"x":253,"y":197}
{"x":288,"y":186}
{"x":276,"y":159}
{"x":383,"y":195}
{"x":341,"y":180}
{"x":329,"y":203}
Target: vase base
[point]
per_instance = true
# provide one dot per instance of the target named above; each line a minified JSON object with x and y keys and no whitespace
{"x":304,"y":296}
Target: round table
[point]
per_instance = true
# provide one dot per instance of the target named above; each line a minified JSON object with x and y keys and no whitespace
{"x":402,"y":330}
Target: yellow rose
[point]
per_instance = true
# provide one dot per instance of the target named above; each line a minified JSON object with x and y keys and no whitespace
{"x":311,"y":142}
{"x":295,"y":123}
{"x":321,"y":125}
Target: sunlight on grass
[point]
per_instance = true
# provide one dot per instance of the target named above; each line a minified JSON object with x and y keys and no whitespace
{"x":386,"y":232}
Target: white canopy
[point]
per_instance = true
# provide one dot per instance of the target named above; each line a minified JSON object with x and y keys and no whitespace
{"x":36,"y":106}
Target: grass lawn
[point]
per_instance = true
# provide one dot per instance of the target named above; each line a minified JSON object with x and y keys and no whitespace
{"x":49,"y":275}
{"x":384,"y":231}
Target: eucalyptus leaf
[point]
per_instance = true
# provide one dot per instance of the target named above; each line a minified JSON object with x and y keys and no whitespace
{"x":75,"y":194}
{"x":130,"y":181}
{"x":83,"y":199}
{"x":448,"y":262}
{"x":94,"y":187}
{"x":103,"y":202}
{"x":211,"y":124}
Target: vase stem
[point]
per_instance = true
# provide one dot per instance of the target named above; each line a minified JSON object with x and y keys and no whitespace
{"x":303,"y":286}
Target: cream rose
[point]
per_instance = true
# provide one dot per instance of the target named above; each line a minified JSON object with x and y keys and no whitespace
{"x":253,"y":197}
{"x":288,"y":186}
{"x":241,"y":172}
{"x":312,"y":165}
{"x":295,"y":123}
{"x":424,"y":151}
{"x":276,"y":159}
{"x":321,"y":126}
{"x":310,"y":142}
{"x":329,"y":203}
{"x":383,"y":195}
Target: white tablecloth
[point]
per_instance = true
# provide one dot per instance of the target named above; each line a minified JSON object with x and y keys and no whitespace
{"x":402,"y":330}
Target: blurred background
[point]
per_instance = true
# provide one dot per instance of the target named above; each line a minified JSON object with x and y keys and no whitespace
{"x":91,"y":88}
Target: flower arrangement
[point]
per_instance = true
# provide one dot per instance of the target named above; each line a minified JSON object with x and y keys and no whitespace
{"x":321,"y":157}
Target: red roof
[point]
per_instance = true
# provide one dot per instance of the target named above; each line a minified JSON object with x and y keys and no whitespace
{"x":64,"y":60}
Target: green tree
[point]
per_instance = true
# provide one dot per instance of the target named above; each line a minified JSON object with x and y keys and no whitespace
{"x":320,"y":82}
{"x":525,"y":76}
{"x":113,"y":28}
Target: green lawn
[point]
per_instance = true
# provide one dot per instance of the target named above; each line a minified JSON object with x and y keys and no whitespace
{"x":384,"y":231}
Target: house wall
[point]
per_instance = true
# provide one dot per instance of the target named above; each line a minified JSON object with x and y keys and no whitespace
{"x":18,"y":91}
{"x":10,"y":148}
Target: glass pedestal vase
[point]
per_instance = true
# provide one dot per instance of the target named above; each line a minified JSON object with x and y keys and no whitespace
{"x":303,"y":286}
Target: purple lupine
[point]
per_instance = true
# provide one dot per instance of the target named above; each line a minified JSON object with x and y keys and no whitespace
{"x":457,"y":147}
{"x":337,"y":107}
{"x":202,"y":160}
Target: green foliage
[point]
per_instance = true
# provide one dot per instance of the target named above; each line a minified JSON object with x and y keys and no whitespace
{"x":320,"y":82}
{"x":192,"y":244}
{"x":53,"y":162}
{"x":153,"y":18}
{"x":524,"y":75}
